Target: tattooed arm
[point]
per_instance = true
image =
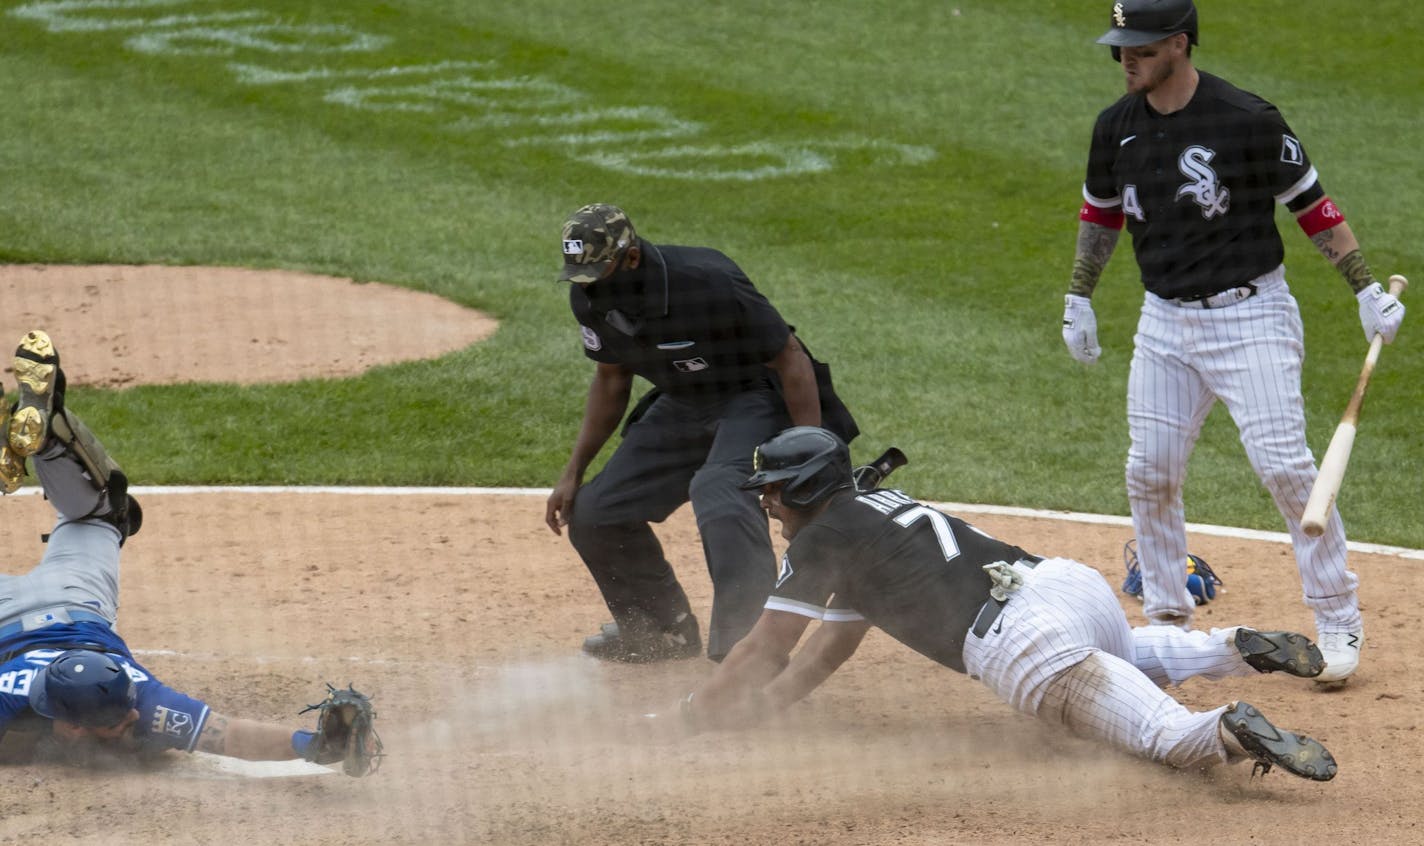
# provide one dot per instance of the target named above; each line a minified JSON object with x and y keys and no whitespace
{"x":1340,"y":248}
{"x":1095,"y":246}
{"x":246,"y":739}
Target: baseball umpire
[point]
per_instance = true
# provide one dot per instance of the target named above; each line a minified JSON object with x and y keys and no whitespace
{"x":1046,"y":635}
{"x":70,"y":689}
{"x":1195,"y":167}
{"x":727,"y":373}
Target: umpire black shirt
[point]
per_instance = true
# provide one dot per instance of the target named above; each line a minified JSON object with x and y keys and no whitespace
{"x":686,"y":319}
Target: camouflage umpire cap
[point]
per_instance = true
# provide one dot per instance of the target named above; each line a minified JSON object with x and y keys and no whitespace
{"x":594,"y":237}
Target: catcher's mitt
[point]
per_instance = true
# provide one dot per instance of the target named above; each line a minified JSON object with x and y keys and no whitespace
{"x":345,"y":732}
{"x":1202,"y":581}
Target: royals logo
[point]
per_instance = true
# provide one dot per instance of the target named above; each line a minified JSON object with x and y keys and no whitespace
{"x":1205,"y":189}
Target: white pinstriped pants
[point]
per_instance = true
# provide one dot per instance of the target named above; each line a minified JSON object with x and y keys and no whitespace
{"x":1062,"y":650}
{"x":1248,"y":355}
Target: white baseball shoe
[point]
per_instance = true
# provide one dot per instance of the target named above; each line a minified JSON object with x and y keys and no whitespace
{"x":1342,"y":655}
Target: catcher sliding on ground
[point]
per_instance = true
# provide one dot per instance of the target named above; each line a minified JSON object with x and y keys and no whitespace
{"x":1047,"y":635}
{"x":70,"y":689}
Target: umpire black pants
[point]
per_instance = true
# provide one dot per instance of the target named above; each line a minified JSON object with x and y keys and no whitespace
{"x":680,"y":451}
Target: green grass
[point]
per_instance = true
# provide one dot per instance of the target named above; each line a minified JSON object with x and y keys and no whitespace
{"x":934,"y":288}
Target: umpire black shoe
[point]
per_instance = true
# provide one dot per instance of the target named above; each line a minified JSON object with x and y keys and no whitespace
{"x":612,"y":644}
{"x":1286,"y":652}
{"x":1270,"y":746}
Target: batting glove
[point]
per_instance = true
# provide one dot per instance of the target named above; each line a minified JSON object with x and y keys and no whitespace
{"x":1380,"y":312}
{"x":1080,"y":328}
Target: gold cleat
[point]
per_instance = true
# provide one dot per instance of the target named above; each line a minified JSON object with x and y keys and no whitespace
{"x":12,"y":470}
{"x":37,"y":370}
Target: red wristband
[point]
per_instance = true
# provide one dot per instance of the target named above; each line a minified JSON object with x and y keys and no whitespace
{"x":1111,"y":218}
{"x":1324,"y":215}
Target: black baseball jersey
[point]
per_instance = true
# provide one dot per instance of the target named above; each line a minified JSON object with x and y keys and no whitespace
{"x":910,"y":569}
{"x":1198,"y":187}
{"x":687,"y":319}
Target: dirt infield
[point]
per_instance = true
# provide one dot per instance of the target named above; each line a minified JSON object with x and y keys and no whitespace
{"x":462,"y":615}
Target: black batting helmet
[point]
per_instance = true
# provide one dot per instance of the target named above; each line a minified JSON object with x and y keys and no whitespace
{"x":85,"y":688}
{"x":812,"y":461}
{"x":1139,"y":22}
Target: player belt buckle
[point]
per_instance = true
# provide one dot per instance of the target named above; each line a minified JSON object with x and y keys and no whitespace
{"x":1222,"y":299}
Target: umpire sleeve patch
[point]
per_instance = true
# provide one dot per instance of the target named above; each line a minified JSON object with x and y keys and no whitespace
{"x":591,"y":341}
{"x":1291,"y":151}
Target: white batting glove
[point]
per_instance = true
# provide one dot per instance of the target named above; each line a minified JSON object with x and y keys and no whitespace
{"x":1080,"y":328}
{"x":1380,"y":312}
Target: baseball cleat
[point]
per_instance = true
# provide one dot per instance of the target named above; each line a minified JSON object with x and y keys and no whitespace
{"x":12,"y":469}
{"x":611,"y":644}
{"x":37,"y":371}
{"x":1270,"y":746}
{"x":1287,"y":652}
{"x":1342,"y":655}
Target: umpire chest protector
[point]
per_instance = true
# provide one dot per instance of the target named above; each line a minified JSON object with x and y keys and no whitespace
{"x":688,"y":320}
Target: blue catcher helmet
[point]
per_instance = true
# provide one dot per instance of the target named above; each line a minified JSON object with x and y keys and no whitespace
{"x":1202,"y":581}
{"x":813,"y":462}
{"x":83,"y":687}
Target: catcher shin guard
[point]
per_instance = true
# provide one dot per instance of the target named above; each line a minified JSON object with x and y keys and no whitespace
{"x":102,"y":471}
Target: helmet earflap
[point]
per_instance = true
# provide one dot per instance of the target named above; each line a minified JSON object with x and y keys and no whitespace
{"x":811,"y":462}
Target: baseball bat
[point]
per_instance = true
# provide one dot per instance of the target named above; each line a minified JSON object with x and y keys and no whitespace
{"x":1337,"y":455}
{"x":869,"y":476}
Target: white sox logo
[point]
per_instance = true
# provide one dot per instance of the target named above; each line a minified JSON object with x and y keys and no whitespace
{"x":1118,"y":17}
{"x":1206,"y":190}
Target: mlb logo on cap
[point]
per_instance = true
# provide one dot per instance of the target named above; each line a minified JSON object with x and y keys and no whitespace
{"x":595,"y":237}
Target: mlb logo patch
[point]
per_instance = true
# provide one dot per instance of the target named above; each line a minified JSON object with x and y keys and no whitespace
{"x":573,"y":247}
{"x":591,"y":340}
{"x":1291,"y":151}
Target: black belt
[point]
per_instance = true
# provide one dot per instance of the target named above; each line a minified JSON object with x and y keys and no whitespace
{"x":1219,"y":299}
{"x":993,"y":607}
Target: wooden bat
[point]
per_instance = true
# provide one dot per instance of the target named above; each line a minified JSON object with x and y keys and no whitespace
{"x":1337,"y":455}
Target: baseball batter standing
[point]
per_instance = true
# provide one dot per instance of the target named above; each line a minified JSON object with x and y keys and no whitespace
{"x":1046,"y":635}
{"x":727,"y":373}
{"x":1195,"y":167}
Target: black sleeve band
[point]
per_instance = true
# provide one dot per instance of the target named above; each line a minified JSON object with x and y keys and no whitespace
{"x":1303,"y":200}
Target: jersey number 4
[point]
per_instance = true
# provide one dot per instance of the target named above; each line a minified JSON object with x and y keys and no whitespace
{"x":1130,"y":204}
{"x":944,"y":533}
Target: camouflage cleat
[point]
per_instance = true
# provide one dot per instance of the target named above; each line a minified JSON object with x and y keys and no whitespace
{"x":1288,"y":652}
{"x":1270,"y":746}
{"x":37,"y":371}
